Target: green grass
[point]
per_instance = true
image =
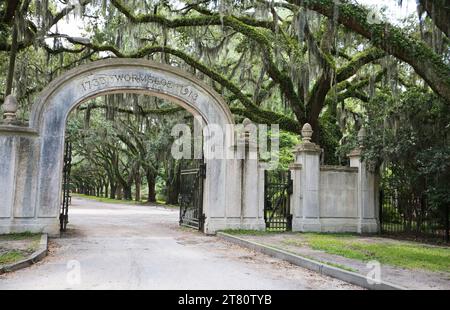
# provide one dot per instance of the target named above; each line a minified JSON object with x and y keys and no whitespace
{"x":312,"y":258}
{"x":20,"y":236}
{"x":109,"y":200}
{"x":11,"y":257}
{"x":249,"y":232}
{"x":402,"y":254}
{"x":127,"y":202}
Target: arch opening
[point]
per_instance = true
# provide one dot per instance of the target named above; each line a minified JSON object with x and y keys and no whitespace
{"x":121,"y":147}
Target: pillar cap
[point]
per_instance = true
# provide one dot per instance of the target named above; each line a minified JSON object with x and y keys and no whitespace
{"x":307,"y":145}
{"x":10,"y":107}
{"x":247,"y":122}
{"x":307,"y":133}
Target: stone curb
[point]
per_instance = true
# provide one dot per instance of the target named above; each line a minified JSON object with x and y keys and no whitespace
{"x":38,"y":255}
{"x":331,"y":271}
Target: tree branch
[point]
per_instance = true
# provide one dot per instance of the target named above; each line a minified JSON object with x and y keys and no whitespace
{"x":391,"y":39}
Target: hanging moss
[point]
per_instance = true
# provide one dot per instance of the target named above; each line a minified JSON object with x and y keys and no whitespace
{"x":392,"y":39}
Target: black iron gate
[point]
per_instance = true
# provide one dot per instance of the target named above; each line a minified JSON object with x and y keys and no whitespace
{"x":192,"y":175}
{"x":277,"y":193}
{"x":412,"y":216}
{"x":66,"y":199}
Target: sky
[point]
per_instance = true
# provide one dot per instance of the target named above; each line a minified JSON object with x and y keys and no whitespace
{"x":394,"y":13}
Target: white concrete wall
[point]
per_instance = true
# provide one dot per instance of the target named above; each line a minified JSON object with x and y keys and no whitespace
{"x":19,"y":158}
{"x":342,"y":204}
{"x":338,"y":192}
{"x":338,"y":199}
{"x":332,"y":198}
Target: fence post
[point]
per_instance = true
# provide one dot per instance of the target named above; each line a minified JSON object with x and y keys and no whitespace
{"x":380,"y":210}
{"x":447,"y":224}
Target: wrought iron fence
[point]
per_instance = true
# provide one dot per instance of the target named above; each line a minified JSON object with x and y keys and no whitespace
{"x":66,"y":198}
{"x":277,"y":192}
{"x":191,"y":194}
{"x":412,"y":216}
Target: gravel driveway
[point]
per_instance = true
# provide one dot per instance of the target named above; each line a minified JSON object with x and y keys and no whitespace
{"x":115,"y":246}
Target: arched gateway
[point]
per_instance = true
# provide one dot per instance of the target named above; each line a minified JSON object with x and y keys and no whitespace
{"x":31,"y":158}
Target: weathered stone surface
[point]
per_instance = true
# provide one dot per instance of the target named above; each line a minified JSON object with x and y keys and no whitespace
{"x":330,"y":198}
{"x":10,"y":109}
{"x":32,"y":185}
{"x":27,"y":159}
{"x":7,"y":165}
{"x":338,"y":194}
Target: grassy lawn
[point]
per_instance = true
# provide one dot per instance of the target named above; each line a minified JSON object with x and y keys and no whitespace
{"x":409,"y":255}
{"x":11,"y":257}
{"x":9,"y":254}
{"x":20,"y":236}
{"x":402,"y":254}
{"x":116,"y":201}
{"x":109,"y":200}
{"x":244,"y":232}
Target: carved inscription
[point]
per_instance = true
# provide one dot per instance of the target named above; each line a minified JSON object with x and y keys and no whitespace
{"x":147,"y":81}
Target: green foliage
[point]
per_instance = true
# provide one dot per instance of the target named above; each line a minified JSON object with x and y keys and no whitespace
{"x":410,"y":137}
{"x":4,"y":32}
{"x":287,"y":143}
{"x":330,"y":137}
{"x":266,"y":66}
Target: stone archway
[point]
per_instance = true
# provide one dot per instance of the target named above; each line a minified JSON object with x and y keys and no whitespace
{"x":30,"y":199}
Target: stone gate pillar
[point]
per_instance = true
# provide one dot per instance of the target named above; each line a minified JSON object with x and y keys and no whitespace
{"x":19,"y":158}
{"x":305,"y":207}
{"x":368,"y":188}
{"x":252,"y":184}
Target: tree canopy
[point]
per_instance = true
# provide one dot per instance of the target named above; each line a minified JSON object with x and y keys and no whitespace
{"x":324,"y":62}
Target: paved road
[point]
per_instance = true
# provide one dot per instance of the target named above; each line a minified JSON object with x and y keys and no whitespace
{"x":111,"y":246}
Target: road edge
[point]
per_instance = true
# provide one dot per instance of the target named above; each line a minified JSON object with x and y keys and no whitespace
{"x":37,"y":256}
{"x":322,"y":268}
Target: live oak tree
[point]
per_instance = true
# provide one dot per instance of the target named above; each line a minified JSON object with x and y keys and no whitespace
{"x":282,"y":62}
{"x":117,"y":149}
{"x":282,"y":41}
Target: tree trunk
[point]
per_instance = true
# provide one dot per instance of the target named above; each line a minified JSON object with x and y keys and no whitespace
{"x":151,"y":181}
{"x":12,"y":57}
{"x":127,"y":194}
{"x":173,"y":187}
{"x":137,"y":182}
{"x":113,"y":191}
{"x":119,"y":192}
